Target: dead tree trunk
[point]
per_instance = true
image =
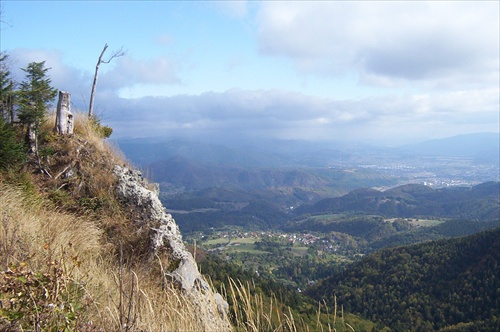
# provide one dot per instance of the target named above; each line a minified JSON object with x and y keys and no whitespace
{"x":31,"y":138}
{"x":91,"y":106}
{"x":64,"y":118}
{"x":116,"y":54}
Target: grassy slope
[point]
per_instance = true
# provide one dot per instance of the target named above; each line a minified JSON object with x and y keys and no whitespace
{"x":71,"y":258}
{"x":67,"y":248}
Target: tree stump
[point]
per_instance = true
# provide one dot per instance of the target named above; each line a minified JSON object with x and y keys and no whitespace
{"x":31,"y":138}
{"x":64,"y":118}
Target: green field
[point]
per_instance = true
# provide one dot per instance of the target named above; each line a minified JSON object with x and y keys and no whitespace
{"x":425,"y":222}
{"x":418,"y":222}
{"x":237,"y":244}
{"x":217,"y":241}
{"x":245,"y":240}
{"x":329,"y":217}
{"x":248,"y":248}
{"x":299,"y":251}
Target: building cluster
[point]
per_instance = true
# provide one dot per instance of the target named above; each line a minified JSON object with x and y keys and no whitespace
{"x":233,"y":238}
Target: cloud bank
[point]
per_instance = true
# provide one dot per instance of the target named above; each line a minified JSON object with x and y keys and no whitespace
{"x":386,"y":42}
{"x":435,"y":66}
{"x":236,"y":114}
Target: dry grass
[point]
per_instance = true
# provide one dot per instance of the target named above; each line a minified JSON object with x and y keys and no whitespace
{"x":253,"y":312}
{"x":68,"y":257}
{"x":71,"y":260}
{"x":44,"y":250}
{"x":35,"y":240}
{"x":27,"y":226}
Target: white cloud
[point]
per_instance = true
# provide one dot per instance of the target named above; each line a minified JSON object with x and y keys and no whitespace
{"x":128,"y":72}
{"x":385,"y":41}
{"x":286,"y":114}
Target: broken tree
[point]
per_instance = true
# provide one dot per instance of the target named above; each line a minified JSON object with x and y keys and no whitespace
{"x":116,"y":54}
{"x":64,"y":118}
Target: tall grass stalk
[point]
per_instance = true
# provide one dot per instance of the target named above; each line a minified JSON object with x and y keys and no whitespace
{"x":251,"y":311}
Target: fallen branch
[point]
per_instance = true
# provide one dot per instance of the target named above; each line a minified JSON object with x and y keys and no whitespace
{"x":61,"y":173}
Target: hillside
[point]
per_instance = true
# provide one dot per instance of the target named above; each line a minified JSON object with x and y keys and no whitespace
{"x":86,"y":245}
{"x":443,"y":285}
{"x":478,"y":202}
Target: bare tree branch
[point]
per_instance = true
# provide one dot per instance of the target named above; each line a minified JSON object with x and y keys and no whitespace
{"x":2,"y":11}
{"x":115,"y":54}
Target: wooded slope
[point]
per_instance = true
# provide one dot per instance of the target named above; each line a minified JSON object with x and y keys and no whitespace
{"x":451,"y":283}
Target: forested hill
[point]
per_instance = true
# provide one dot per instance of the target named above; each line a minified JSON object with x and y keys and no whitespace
{"x":413,"y":200}
{"x":449,"y":284}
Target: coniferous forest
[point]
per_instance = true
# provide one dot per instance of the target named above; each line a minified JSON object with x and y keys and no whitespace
{"x":449,"y":284}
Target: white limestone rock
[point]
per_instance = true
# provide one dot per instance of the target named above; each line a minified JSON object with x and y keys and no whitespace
{"x":133,"y":190}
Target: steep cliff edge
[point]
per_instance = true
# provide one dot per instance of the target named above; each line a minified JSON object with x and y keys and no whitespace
{"x":86,"y":245}
{"x":133,"y":190}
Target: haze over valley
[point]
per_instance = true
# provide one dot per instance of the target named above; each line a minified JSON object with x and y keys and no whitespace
{"x":250,"y":166}
{"x":186,"y":165}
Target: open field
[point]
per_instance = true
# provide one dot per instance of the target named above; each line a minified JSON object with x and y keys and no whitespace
{"x":419,"y":222}
{"x":299,"y":250}
{"x":248,"y":248}
{"x":236,"y":244}
{"x":217,"y":241}
{"x":425,"y":222}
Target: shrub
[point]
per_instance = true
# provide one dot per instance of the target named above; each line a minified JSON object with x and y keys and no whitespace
{"x":102,"y":131}
{"x":11,"y":152}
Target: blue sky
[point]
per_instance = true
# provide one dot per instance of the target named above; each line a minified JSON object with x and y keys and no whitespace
{"x":377,"y":72}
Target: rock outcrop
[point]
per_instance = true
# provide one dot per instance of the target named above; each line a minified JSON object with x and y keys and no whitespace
{"x":150,"y":214}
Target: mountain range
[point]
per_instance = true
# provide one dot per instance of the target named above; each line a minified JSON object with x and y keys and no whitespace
{"x":413,"y":200}
{"x":321,"y":169}
{"x":483,"y":147}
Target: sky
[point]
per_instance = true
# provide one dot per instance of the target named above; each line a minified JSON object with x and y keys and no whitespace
{"x":383,"y":73}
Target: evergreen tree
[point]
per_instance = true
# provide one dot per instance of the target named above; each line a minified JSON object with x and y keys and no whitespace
{"x":35,"y":95}
{"x":6,"y":90}
{"x":11,"y":152}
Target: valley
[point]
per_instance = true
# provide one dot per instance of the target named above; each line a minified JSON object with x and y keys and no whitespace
{"x":248,"y":166}
{"x":294,"y":219}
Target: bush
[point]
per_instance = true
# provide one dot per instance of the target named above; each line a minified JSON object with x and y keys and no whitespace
{"x":102,"y":131}
{"x":11,"y":152}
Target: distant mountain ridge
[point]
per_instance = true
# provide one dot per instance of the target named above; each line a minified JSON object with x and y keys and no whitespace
{"x":190,"y":175}
{"x":483,"y":147}
{"x":146,"y":151}
{"x":414,"y":200}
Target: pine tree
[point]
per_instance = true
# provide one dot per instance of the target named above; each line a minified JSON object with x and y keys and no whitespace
{"x":6,"y":90}
{"x":11,"y":152}
{"x":35,"y":95}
